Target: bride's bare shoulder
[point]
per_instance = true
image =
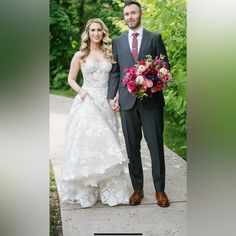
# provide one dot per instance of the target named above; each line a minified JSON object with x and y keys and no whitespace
{"x":77,"y":57}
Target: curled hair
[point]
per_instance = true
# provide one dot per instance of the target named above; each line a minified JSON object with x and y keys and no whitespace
{"x":105,"y":44}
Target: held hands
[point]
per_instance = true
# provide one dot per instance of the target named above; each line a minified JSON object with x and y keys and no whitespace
{"x":114,"y":104}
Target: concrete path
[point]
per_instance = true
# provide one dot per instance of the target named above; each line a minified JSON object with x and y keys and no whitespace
{"x":147,"y":219}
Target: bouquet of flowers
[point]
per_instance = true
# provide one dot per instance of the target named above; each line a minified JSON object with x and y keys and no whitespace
{"x":147,"y":77}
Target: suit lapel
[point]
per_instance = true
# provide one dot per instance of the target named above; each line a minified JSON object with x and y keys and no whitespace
{"x":143,"y":43}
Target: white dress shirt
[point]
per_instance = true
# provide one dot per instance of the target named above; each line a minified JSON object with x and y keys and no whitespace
{"x":140,"y":36}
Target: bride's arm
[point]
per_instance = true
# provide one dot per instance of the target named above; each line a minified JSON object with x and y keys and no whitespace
{"x":74,"y":70}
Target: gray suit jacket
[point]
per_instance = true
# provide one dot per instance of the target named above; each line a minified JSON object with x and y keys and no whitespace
{"x":151,"y":44}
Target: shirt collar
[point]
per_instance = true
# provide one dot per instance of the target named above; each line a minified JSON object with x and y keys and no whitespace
{"x":140,"y":31}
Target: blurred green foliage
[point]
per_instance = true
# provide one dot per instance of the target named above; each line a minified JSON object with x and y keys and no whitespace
{"x":168,"y":17}
{"x":67,"y":22}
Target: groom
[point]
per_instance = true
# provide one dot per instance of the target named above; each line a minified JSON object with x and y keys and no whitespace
{"x":128,"y":48}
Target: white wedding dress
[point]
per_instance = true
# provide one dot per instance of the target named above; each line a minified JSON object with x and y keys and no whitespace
{"x":93,"y":165}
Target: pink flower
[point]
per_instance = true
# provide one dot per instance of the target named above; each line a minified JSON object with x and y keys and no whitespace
{"x":126,"y":70}
{"x":165,"y":79}
{"x":163,"y":71}
{"x":131,"y":86}
{"x":141,"y":68}
{"x":128,"y":76}
{"x":149,"y":83}
{"x":125,"y":80}
{"x":156,"y":61}
{"x":144,"y":84}
{"x":132,"y":70}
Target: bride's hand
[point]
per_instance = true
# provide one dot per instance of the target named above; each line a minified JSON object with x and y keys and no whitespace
{"x":83,"y":93}
{"x":116,"y":102}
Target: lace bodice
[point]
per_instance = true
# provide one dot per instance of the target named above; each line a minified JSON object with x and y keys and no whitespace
{"x":95,"y":74}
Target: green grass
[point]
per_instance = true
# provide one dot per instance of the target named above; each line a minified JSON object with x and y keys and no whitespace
{"x":175,"y":139}
{"x":55,"y":213}
{"x":172,"y":138}
{"x":67,"y":93}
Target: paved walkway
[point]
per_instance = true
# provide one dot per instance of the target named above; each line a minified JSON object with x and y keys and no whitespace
{"x":147,"y":219}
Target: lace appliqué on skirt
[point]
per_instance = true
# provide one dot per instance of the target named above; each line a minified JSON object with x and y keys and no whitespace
{"x":93,"y":165}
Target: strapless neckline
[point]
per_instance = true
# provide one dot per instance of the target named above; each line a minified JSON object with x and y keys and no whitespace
{"x":95,"y":62}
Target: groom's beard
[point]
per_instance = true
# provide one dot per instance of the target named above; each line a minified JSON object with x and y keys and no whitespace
{"x":136,"y":25}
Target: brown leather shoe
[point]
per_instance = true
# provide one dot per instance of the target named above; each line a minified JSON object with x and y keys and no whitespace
{"x":162,"y":199}
{"x":136,"y":197}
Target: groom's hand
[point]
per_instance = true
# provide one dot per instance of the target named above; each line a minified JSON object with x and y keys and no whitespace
{"x":114,"y":104}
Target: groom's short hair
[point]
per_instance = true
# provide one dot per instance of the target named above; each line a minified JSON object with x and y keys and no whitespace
{"x":128,"y":3}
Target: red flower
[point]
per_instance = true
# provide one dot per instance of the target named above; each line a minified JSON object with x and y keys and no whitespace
{"x":152,"y":71}
{"x":158,"y":87}
{"x":142,"y":62}
{"x":134,"y":91}
{"x":149,"y":92}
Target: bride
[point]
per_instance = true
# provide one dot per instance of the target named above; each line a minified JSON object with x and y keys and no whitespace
{"x":93,"y":165}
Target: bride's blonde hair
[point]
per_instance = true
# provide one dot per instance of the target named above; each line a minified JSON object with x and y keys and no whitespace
{"x":105,"y":43}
